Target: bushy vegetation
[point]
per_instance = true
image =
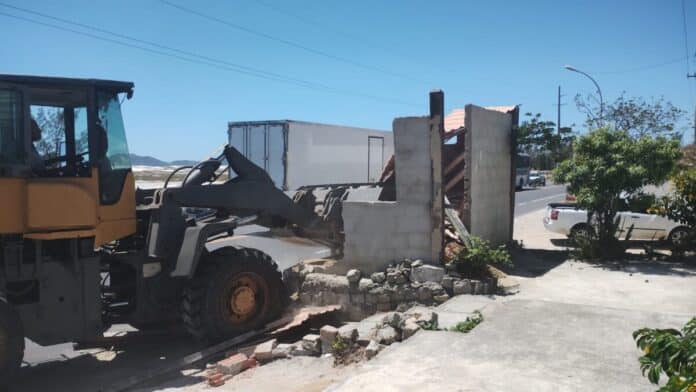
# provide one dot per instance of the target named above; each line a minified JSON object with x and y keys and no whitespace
{"x":607,"y":164}
{"x":473,"y":259}
{"x":470,"y":323}
{"x":681,"y":206}
{"x":669,"y":352}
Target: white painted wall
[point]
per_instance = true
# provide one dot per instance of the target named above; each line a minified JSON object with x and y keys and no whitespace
{"x":378,"y":233}
{"x":489,"y":140}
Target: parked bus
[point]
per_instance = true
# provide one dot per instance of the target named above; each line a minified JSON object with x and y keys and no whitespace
{"x":522,"y":168}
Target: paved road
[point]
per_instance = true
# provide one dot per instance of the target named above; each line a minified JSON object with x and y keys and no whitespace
{"x":529,"y":200}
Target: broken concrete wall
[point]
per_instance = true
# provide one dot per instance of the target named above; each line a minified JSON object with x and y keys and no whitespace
{"x":489,"y":163}
{"x":377,"y":233}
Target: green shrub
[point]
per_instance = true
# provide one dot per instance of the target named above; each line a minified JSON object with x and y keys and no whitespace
{"x":339,"y":346}
{"x":669,"y":352}
{"x":468,"y":324}
{"x":429,"y":325}
{"x":477,"y":255}
{"x":681,"y":206}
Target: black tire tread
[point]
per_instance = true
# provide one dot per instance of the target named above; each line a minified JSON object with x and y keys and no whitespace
{"x":197,"y":292}
{"x":10,"y":321}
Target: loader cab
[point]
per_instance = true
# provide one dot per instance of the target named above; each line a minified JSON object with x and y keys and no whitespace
{"x":63,"y":145}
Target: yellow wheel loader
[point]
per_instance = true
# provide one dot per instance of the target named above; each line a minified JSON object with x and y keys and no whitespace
{"x":81,"y":248}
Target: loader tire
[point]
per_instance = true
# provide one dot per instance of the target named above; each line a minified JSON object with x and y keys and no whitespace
{"x":234,"y":291}
{"x":11,"y":342}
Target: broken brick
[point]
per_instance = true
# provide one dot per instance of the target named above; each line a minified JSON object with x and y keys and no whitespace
{"x":233,"y":365}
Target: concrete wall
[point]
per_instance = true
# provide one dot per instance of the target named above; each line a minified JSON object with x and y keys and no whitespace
{"x":377,"y":233}
{"x":489,"y":148}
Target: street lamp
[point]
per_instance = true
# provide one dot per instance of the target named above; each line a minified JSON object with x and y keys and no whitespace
{"x":599,"y":91}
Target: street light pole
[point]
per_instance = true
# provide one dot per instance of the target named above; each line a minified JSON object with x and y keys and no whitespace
{"x":599,"y":91}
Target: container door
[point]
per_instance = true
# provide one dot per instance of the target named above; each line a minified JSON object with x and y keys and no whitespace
{"x":275,"y":135}
{"x":256,"y":145}
{"x":237,"y":138}
{"x":375,"y":158}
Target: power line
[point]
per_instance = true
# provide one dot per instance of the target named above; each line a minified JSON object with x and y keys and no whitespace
{"x":642,"y":67}
{"x":287,"y":42}
{"x":188,"y":56}
{"x":325,"y":26}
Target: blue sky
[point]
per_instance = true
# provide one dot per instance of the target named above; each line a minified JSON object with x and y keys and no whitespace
{"x":484,"y":52}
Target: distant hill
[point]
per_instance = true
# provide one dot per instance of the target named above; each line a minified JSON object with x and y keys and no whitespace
{"x":144,"y":160}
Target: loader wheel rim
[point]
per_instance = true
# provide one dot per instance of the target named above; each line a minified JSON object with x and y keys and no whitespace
{"x":243,"y":300}
{"x":246,"y":297}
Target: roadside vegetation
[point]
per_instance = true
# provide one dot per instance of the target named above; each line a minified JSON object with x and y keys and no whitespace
{"x":463,"y":326}
{"x":632,"y":142}
{"x":681,"y":206}
{"x":671,"y":353}
{"x":607,"y":167}
{"x":473,"y":259}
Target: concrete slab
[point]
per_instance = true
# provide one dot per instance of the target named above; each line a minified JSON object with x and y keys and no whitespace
{"x":522,"y":345}
{"x":460,"y":307}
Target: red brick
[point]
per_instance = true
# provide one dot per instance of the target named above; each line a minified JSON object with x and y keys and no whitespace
{"x":233,"y":365}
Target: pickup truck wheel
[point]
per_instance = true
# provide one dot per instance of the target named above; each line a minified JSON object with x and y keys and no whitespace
{"x":579,"y":232}
{"x":678,"y":237}
{"x":11,"y":342}
{"x":234,"y":291}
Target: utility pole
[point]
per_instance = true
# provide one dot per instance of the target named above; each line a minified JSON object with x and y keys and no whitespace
{"x":558,"y":123}
{"x":693,"y":75}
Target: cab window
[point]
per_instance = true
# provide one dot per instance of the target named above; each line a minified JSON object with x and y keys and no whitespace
{"x":114,"y":160}
{"x":11,"y":128}
{"x":59,"y":132}
{"x":49,"y":140}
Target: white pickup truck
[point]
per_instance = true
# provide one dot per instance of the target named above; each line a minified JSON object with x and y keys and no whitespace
{"x":567,"y":219}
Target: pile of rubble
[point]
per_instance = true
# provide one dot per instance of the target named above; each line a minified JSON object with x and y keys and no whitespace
{"x":401,"y":286}
{"x":352,"y":342}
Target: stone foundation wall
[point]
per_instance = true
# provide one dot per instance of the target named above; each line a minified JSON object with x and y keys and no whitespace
{"x":400,"y":286}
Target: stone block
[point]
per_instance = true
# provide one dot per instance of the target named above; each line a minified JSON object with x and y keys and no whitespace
{"x":447,"y":283}
{"x":348,"y":333}
{"x":393,"y":319}
{"x":327,"y":334}
{"x":387,"y":335}
{"x":312,"y":343}
{"x":378,"y":277}
{"x":427,"y":273}
{"x":421,"y":314}
{"x":353,"y":276}
{"x":425,"y":295}
{"x":441,"y":298}
{"x":435,"y":288}
{"x":264,"y":351}
{"x":283,"y":350}
{"x":357,"y":299}
{"x":366,"y":284}
{"x":477,"y":287}
{"x":409,"y":329}
{"x":372,"y":349}
{"x":233,"y":364}
{"x":462,"y":287}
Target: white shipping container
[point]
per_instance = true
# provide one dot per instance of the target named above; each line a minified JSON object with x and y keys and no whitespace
{"x":297,"y":153}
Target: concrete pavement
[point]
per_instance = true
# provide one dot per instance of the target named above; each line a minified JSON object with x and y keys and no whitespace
{"x":568,"y":329}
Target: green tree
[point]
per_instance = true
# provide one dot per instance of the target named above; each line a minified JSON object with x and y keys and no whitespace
{"x":543,"y":142}
{"x":669,"y":352}
{"x":635,"y":115}
{"x":607,"y":163}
